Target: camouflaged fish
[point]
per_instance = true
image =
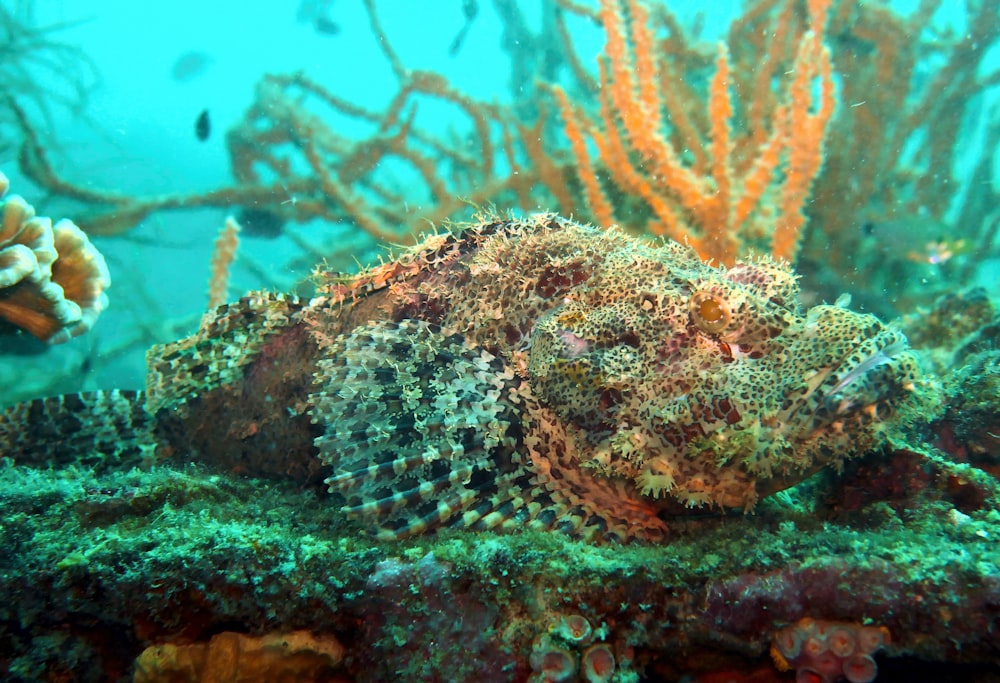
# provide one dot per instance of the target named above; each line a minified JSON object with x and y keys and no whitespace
{"x":512,"y":374}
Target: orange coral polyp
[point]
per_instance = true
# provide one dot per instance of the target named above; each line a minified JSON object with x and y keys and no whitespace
{"x":860,"y":669}
{"x":871,"y":638}
{"x":841,"y":641}
{"x":598,"y":663}
{"x":574,"y":628}
{"x":553,"y":662}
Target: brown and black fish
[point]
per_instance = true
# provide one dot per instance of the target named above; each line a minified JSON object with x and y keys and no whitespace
{"x":203,"y":126}
{"x":534,"y":373}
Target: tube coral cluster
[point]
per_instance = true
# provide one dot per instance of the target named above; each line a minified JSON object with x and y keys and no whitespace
{"x":568,"y":653}
{"x":824,"y":651}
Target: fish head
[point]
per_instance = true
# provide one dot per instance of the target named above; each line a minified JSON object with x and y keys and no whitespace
{"x":705,"y":386}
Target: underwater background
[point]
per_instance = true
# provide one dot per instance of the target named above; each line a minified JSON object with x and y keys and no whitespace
{"x":120,"y":116}
{"x":857,"y":142}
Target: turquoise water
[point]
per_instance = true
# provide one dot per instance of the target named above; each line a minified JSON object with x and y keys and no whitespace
{"x":155,"y":69}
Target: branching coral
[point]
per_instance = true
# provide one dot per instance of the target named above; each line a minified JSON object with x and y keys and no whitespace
{"x":29,"y":57}
{"x":52,"y":279}
{"x":223,"y":256}
{"x":736,"y":175}
{"x":909,"y":88}
{"x":292,"y":163}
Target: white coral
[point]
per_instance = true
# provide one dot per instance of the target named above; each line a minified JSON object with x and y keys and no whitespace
{"x":52,"y":278}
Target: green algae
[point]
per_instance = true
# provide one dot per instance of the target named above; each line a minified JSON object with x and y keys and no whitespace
{"x":66,"y":519}
{"x":166,"y":551}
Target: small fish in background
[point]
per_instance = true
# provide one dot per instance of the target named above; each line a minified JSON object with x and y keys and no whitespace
{"x":326,"y":26}
{"x":203,"y":126}
{"x":260,"y":223}
{"x":938,"y":251}
{"x":309,"y":9}
{"x":317,"y":13}
{"x":470,"y":8}
{"x":189,"y":66}
{"x":698,"y":24}
{"x":913,"y":238}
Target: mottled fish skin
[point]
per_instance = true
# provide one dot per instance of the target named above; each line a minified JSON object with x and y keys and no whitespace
{"x":532,"y":374}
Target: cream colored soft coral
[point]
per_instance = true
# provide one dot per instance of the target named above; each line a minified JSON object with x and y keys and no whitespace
{"x":52,"y":278}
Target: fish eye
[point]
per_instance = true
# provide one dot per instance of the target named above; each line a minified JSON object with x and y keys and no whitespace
{"x":709,"y":312}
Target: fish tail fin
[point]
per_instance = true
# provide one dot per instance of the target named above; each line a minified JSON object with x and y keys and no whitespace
{"x":101,"y":429}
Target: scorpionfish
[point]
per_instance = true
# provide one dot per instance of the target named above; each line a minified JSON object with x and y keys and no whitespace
{"x":530,"y":373}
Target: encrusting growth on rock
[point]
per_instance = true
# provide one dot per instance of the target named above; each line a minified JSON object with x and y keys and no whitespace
{"x":532,"y":373}
{"x":235,"y":657}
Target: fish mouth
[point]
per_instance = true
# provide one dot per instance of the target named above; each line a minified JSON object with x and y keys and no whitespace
{"x":882,"y":355}
{"x":871,"y":378}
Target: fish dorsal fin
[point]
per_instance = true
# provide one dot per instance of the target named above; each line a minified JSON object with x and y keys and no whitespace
{"x":421,"y":429}
{"x":234,"y":395}
{"x":101,"y":429}
{"x":228,"y":339}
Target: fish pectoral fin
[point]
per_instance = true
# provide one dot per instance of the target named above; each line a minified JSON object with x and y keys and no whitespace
{"x":421,"y":428}
{"x":100,"y":429}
